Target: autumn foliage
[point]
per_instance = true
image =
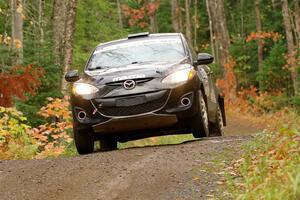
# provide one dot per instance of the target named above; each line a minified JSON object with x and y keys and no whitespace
{"x":19,"y":140}
{"x":138,"y":16}
{"x":17,"y":82}
{"x":263,"y":35}
{"x":53,"y":136}
{"x":293,"y":62}
{"x":228,"y":84}
{"x":7,"y":41}
{"x":15,"y":136}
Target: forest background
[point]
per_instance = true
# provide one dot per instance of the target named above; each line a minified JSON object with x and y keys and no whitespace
{"x":257,"y":64}
{"x":255,"y":43}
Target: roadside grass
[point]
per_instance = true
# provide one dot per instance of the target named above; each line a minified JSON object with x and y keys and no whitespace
{"x":270,"y":167}
{"x":155,"y":141}
{"x":70,"y":149}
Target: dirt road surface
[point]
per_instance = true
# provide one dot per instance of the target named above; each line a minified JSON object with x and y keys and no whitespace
{"x":191,"y":170}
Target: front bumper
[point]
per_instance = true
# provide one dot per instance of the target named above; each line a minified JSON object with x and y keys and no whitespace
{"x":154,"y":110}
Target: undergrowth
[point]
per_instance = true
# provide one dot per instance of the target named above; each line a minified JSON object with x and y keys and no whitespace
{"x":18,"y":140}
{"x":15,"y":136}
{"x":270,"y":168}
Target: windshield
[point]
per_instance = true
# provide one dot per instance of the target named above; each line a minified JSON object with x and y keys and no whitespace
{"x":151,"y":50}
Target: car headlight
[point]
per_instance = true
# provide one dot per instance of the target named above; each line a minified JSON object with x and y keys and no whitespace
{"x":180,"y":76}
{"x":84,"y":89}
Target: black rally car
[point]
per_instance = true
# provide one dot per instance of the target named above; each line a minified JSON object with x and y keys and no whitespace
{"x":142,"y":86}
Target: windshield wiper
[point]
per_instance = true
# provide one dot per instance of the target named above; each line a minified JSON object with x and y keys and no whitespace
{"x":141,"y":62}
{"x":136,"y":62}
{"x":124,"y":65}
{"x":98,"y":67}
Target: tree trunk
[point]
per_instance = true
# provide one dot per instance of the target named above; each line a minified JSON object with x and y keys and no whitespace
{"x":188,"y":27}
{"x":153,"y":22}
{"x":219,"y":30}
{"x":242,"y":19}
{"x":70,"y":30}
{"x":180,"y":18}
{"x":290,"y":44}
{"x":211,"y":30}
{"x":120,"y":13}
{"x":223,"y":37}
{"x":175,"y":16}
{"x":17,"y":28}
{"x":288,"y":27}
{"x":41,"y":20}
{"x":221,"y":41}
{"x":59,"y":27}
{"x":274,"y":4}
{"x":196,"y":25}
{"x":259,"y":30}
{"x":297,"y":21}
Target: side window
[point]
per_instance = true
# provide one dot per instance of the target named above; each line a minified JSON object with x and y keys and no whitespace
{"x":187,"y":49}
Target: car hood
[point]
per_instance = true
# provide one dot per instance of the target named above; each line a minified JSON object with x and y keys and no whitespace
{"x":133,"y":71}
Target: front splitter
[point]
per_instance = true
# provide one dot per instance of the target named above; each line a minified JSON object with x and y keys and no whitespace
{"x":125,"y":124}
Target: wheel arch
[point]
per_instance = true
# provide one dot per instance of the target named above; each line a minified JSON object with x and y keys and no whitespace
{"x":203,"y":92}
{"x":221,"y":101}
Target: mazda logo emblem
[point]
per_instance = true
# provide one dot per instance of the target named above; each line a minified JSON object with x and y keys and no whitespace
{"x":129,"y":84}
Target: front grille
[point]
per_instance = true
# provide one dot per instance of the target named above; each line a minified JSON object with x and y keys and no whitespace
{"x":135,"y":110}
{"x":138,"y":82}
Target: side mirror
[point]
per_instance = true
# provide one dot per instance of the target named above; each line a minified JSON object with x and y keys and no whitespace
{"x":72,"y":76}
{"x":204,"y":59}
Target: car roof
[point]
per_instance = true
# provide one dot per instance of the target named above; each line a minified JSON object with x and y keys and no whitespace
{"x":140,"y":36}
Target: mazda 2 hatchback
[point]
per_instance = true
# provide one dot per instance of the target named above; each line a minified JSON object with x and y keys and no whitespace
{"x":143,"y":86}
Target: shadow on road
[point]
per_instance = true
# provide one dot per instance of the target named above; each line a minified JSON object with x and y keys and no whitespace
{"x":236,"y":127}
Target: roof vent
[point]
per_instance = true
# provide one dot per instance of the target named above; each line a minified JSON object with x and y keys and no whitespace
{"x":137,"y":35}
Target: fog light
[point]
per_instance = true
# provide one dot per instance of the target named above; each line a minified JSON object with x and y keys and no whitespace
{"x":81,"y":115}
{"x":185,"y":101}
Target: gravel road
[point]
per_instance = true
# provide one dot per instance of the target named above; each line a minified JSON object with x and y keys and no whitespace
{"x":186,"y":171}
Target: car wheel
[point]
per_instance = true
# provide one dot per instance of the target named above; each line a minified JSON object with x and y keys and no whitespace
{"x":217,"y":129}
{"x":199,"y":123}
{"x":108,"y":145}
{"x":84,"y":142}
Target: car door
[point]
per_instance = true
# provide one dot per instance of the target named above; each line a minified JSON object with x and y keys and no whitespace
{"x":209,"y":87}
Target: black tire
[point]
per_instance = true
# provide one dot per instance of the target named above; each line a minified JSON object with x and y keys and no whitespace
{"x":108,"y":145}
{"x":217,"y":129}
{"x":84,"y":142}
{"x":199,"y":123}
